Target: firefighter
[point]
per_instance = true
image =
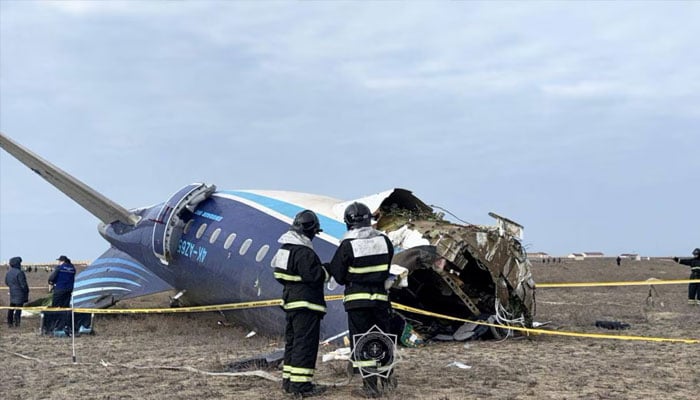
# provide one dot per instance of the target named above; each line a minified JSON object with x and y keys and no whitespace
{"x":361,"y":263}
{"x":694,"y":287}
{"x":299,"y":269}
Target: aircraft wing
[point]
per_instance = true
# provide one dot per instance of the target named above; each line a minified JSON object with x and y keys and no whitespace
{"x":97,"y":204}
{"x":112,"y":277}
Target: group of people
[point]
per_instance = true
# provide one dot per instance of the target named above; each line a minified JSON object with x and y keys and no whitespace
{"x":361,"y":263}
{"x":61,"y":282}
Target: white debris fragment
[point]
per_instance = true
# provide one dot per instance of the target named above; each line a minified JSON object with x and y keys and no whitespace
{"x":250,"y":334}
{"x":459,"y":365}
{"x":407,"y":238}
{"x":342,"y":353}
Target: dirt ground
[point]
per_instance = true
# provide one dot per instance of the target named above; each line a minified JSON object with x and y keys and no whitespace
{"x":148,"y":356}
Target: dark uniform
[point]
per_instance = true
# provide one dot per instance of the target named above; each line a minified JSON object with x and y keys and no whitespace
{"x":299,"y":269}
{"x":361,"y":263}
{"x":694,"y":264}
{"x":16,"y":280}
{"x":62,"y":278}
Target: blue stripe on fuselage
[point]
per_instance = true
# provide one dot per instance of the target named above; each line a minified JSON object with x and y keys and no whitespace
{"x":329,"y":225}
{"x":109,"y":268}
{"x":114,"y":260}
{"x":110,"y":279}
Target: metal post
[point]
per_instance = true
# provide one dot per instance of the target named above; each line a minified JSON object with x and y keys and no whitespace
{"x":72,"y":316}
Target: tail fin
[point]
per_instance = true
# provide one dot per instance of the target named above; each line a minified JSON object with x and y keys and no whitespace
{"x":97,"y":204}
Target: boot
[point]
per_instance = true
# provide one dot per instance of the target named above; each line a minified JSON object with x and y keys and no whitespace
{"x":389,"y":384}
{"x":316,"y":390}
{"x":369,"y":389}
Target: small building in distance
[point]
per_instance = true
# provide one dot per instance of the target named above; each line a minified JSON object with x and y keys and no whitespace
{"x":576,"y":256}
{"x":631,"y":256}
{"x":539,"y":254}
{"x":586,"y":254}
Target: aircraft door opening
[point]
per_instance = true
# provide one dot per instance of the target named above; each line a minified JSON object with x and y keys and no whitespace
{"x":170,"y":222}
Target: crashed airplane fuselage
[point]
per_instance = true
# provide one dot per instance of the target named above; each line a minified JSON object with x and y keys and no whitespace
{"x":215,"y":247}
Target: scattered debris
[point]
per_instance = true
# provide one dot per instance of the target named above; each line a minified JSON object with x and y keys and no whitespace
{"x":459,"y":365}
{"x":612,"y":325}
{"x":342,"y":354}
{"x":268,"y":361}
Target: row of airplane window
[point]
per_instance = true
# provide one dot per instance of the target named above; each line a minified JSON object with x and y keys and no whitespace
{"x":245,"y":246}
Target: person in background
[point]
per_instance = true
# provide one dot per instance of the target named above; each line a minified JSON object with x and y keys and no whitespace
{"x":618,"y":260}
{"x":62,"y":279}
{"x":694,"y":287}
{"x":16,"y":280}
{"x":299,"y":269}
{"x":361,"y":263}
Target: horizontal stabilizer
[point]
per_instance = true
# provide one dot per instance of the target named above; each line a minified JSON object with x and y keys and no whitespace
{"x":97,"y":204}
{"x":112,"y":277}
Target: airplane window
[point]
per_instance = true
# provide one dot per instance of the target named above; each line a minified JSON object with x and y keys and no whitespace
{"x":201,"y":230}
{"x":245,"y":246}
{"x":229,"y":241}
{"x":262,"y":253}
{"x":187,"y":226}
{"x":215,"y":235}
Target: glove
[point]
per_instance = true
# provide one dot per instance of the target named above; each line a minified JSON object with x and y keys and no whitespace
{"x":332,"y":284}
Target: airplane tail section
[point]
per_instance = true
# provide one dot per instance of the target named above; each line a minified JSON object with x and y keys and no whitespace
{"x":112,"y":277}
{"x":98,"y":205}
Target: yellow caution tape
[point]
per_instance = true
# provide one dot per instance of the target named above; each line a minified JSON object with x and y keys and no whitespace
{"x":214,"y":307}
{"x":278,"y":302}
{"x":544,"y":331}
{"x":30,"y":288}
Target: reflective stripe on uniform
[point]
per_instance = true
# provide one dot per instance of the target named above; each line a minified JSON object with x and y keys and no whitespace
{"x":365,"y":296}
{"x":369,"y":269}
{"x":301,"y":371}
{"x":287,"y":277}
{"x":300,"y":378}
{"x":368,"y":363}
{"x":298,"y":374}
{"x":303,"y":304}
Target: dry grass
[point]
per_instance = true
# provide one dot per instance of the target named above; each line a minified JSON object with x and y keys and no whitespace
{"x":120,"y":361}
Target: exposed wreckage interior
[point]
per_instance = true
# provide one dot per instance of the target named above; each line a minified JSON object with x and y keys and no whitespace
{"x":473,"y":272}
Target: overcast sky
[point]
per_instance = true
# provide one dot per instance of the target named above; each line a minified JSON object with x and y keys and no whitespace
{"x":580,"y":120}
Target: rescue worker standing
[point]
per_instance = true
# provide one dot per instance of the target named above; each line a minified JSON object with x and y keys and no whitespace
{"x":694,"y":264}
{"x":299,"y":269}
{"x":62,"y":279}
{"x":361,"y":263}
{"x":16,"y":280}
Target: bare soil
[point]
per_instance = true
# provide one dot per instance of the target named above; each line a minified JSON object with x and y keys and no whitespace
{"x":148,"y":356}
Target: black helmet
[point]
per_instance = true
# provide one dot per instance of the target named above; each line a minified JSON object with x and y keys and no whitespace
{"x":696,"y":252}
{"x":357,"y":215}
{"x":306,"y":223}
